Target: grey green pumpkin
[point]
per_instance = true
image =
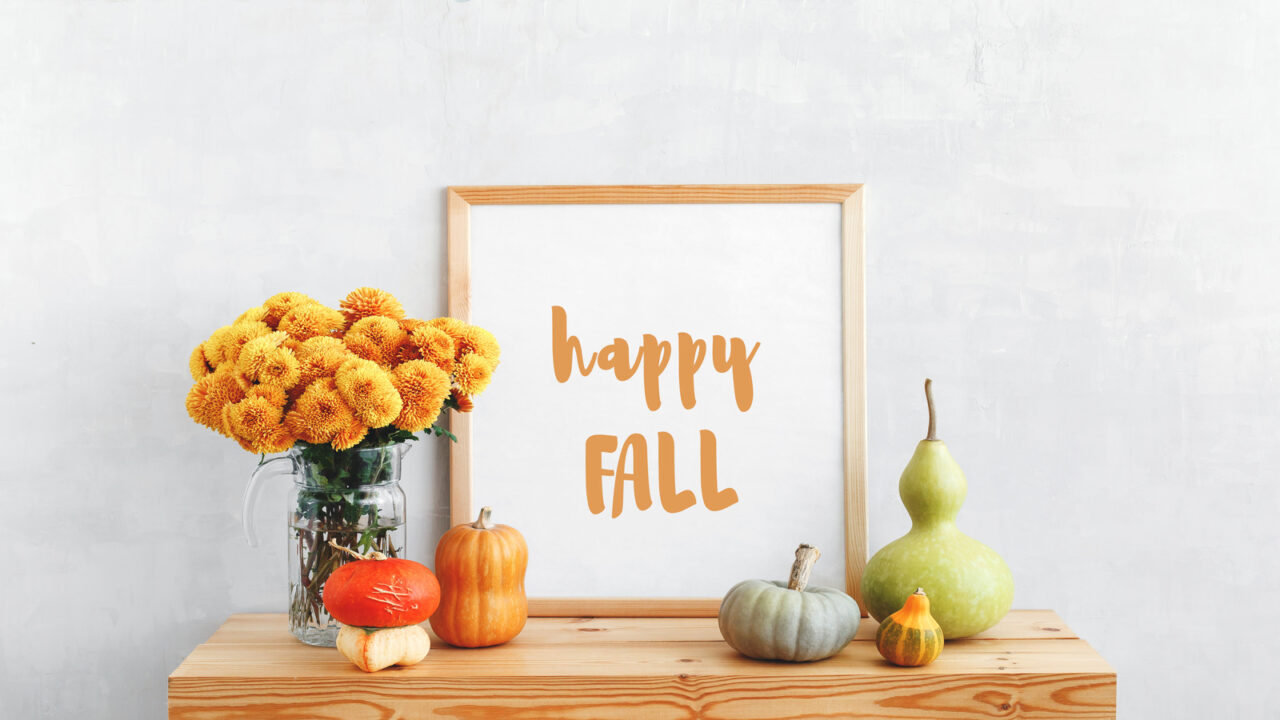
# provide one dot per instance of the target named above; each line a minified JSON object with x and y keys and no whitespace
{"x":771,"y":620}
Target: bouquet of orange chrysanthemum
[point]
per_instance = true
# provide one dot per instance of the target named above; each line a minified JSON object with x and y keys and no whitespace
{"x":293,"y":369}
{"x":341,"y":390}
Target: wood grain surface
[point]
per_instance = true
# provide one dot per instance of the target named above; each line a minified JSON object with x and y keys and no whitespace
{"x":853,"y":310}
{"x":1030,"y":666}
{"x":625,"y":607}
{"x":651,"y":194}
{"x":458,"y":218}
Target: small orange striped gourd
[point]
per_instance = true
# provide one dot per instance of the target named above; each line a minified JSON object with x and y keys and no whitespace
{"x":481,"y":571}
{"x":910,"y":637}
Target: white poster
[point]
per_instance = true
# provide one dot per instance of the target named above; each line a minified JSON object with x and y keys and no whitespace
{"x":667,"y":416}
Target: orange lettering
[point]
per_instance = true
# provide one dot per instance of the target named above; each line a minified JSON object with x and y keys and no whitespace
{"x":741,"y":366}
{"x":712,"y":497}
{"x":639,"y":474}
{"x":650,"y":348}
{"x":616,"y":357}
{"x":565,"y":346}
{"x":727,"y":356}
{"x":672,"y":501}
{"x":597,"y":445}
{"x":692,"y":353}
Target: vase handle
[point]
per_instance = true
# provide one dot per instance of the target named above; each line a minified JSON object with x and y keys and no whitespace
{"x":254,"y":489}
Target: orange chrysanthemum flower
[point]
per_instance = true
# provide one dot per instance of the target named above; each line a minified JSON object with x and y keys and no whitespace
{"x":213,"y":347}
{"x":472,"y":374}
{"x":473,"y":339}
{"x":277,"y":441}
{"x":211,"y":393}
{"x":367,"y":389}
{"x":423,"y":387}
{"x":317,"y":346}
{"x":255,"y":422}
{"x":266,"y":360}
{"x":279,"y":305}
{"x":411,"y":324}
{"x":241,"y":334}
{"x":271,"y":393}
{"x":463,"y":402}
{"x":253,"y":314}
{"x":294,"y":370}
{"x":198,"y":364}
{"x":320,"y":357}
{"x":350,"y":436}
{"x":225,"y":342}
{"x":406,"y":351}
{"x":254,"y":352}
{"x":375,"y":338}
{"x":369,"y":302}
{"x":430,"y":343}
{"x":211,"y":356}
{"x":447,"y":324}
{"x":314,"y":320}
{"x":319,"y":413}
{"x":281,"y":369}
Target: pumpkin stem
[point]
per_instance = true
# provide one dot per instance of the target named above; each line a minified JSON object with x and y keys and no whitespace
{"x":482,"y":522}
{"x":917,"y":604}
{"x":928,"y":397}
{"x":806,"y":556}
{"x":373,"y":554}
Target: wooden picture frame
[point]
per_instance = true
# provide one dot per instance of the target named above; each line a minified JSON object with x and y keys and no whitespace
{"x":849,"y":197}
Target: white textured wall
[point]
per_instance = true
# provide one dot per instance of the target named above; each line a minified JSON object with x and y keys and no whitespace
{"x":1073,"y":228}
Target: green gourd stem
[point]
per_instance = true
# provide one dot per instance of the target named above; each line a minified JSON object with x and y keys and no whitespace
{"x":482,"y":522}
{"x":933,"y":422}
{"x":806,"y":556}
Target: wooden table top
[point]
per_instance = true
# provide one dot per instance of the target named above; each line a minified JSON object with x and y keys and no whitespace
{"x":1031,"y":665}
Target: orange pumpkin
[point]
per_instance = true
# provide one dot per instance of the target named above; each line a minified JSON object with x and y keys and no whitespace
{"x":481,"y":568}
{"x":381,"y":592}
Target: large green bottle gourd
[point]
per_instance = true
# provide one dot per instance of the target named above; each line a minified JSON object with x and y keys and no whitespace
{"x":969,"y":585}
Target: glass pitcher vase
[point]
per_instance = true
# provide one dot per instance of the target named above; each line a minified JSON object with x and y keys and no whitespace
{"x":350,"y":498}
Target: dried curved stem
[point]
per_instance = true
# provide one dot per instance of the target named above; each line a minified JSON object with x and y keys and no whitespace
{"x":373,"y":554}
{"x":806,"y":556}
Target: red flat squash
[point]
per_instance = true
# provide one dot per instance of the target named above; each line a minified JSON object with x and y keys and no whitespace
{"x":381,"y":592}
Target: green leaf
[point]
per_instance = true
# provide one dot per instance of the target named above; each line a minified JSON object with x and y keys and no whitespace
{"x":399,"y":436}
